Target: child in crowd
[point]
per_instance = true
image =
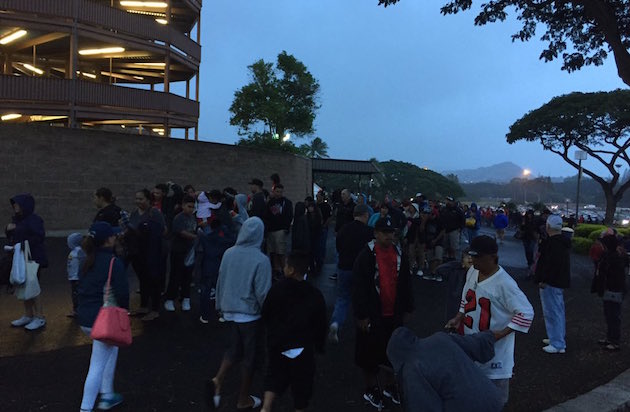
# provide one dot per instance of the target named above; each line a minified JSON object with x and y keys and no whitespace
{"x":76,"y":257}
{"x":295,"y":315}
{"x":212,"y":246}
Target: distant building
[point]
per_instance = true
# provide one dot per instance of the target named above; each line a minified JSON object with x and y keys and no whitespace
{"x":108,"y":64}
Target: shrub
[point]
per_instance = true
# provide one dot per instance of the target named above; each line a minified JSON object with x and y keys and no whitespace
{"x":584,"y":230}
{"x":595,"y":234}
{"x":582,"y":245}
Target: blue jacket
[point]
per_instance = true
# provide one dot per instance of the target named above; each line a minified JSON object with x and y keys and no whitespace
{"x":92,"y":284}
{"x":29,"y":226}
{"x":214,"y":245}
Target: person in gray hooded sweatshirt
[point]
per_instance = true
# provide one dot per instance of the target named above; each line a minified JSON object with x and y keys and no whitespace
{"x":241,"y":216}
{"x":438,"y":373}
{"x":244,"y":280}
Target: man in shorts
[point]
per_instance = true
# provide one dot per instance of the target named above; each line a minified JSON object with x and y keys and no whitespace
{"x":244,"y":280}
{"x":278,"y":217}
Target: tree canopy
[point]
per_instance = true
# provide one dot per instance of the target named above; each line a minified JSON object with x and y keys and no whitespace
{"x":597,"y":123}
{"x":317,"y":148}
{"x":281,"y":99}
{"x":581,"y":32}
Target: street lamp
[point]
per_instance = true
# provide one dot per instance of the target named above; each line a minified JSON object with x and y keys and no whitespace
{"x":579,"y":156}
{"x":526,"y":172}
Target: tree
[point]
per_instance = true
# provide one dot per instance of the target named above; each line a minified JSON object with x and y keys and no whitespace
{"x":583,"y":31}
{"x":283,"y":100}
{"x":317,"y":148}
{"x":597,"y":123}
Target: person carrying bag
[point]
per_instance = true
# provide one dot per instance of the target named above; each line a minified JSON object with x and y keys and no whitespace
{"x":102,"y":282}
{"x":29,"y":289}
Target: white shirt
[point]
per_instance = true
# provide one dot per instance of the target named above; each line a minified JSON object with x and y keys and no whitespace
{"x":494,"y":304}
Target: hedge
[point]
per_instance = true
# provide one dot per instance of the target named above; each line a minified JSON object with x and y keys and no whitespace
{"x":584,"y":230}
{"x":582,"y":245}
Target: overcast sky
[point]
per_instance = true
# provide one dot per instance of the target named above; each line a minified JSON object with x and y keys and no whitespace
{"x":402,"y":83}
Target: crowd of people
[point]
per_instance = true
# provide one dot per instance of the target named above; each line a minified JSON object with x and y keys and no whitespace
{"x":251,"y":256}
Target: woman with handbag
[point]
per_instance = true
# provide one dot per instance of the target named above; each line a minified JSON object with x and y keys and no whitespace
{"x":100,"y":265}
{"x":27,"y":226}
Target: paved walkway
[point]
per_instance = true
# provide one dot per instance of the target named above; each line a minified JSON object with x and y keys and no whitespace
{"x":165,"y":367}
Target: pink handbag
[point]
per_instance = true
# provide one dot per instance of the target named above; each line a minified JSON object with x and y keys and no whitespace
{"x":112,"y":324}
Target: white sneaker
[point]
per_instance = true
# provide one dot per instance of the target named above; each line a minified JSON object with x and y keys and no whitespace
{"x":332,"y":333}
{"x":552,"y":349}
{"x":420,"y":273}
{"x":36,"y":323}
{"x":185,"y":304}
{"x":546,"y":341}
{"x":169,"y":305}
{"x":23,"y":321}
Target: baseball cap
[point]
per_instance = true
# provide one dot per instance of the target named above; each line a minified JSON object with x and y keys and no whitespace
{"x":384,"y":224}
{"x":360,"y":210}
{"x":256,"y":182}
{"x":483,"y":245}
{"x":101,"y":231}
{"x":418,"y":194}
{"x":554,"y":222}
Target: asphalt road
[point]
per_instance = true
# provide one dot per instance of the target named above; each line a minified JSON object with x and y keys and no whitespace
{"x":170,"y":358}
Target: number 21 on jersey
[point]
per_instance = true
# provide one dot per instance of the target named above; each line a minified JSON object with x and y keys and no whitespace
{"x":471,"y":306}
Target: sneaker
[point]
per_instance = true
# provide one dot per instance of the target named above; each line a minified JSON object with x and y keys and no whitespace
{"x":23,"y":321}
{"x":202,"y":320}
{"x":221,"y":319}
{"x":333,"y":337}
{"x":150,"y":316}
{"x":373,"y":396}
{"x":169,"y":305}
{"x":333,"y":276}
{"x":35,"y":324}
{"x":185,"y":304}
{"x":213,"y":294}
{"x":420,"y":273}
{"x":603,"y":342}
{"x":108,"y":403}
{"x":438,"y":278}
{"x":391,"y":392}
{"x":552,"y":349}
{"x":546,"y":341}
{"x":612,"y":347}
{"x":429,"y":276}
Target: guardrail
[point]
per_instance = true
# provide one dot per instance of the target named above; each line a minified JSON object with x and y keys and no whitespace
{"x":65,"y":91}
{"x":116,"y":20}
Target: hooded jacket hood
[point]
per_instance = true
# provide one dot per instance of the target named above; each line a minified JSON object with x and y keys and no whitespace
{"x":74,"y":240}
{"x":251,"y":233}
{"x":26,"y":202}
{"x":241,"y":202}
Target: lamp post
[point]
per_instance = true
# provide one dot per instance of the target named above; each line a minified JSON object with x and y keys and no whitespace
{"x":526,"y":172}
{"x":579,"y":156}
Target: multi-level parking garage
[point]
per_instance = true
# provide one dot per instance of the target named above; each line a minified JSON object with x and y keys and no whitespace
{"x":101,"y":64}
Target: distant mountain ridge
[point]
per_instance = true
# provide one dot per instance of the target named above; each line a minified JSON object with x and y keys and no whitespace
{"x":498,"y":173}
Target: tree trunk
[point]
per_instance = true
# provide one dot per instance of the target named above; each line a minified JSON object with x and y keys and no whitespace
{"x":611,"y":205}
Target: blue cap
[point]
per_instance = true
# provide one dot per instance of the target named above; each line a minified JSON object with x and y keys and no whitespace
{"x":101,"y":231}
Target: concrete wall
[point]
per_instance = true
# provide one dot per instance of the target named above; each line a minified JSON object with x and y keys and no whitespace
{"x":63,"y":167}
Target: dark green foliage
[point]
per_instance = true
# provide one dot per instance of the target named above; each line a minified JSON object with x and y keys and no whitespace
{"x":597,"y":123}
{"x":281,"y":99}
{"x":582,"y":245}
{"x":584,"y":230}
{"x":581,"y":32}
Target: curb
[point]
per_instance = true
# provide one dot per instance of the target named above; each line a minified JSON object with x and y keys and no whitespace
{"x":611,"y":397}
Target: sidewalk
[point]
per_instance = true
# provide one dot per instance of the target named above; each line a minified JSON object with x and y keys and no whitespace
{"x":170,"y":358}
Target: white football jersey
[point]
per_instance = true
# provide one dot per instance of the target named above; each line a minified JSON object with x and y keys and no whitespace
{"x":494,"y":304}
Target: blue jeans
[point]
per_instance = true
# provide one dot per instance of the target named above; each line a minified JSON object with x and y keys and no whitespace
{"x":344,"y":297}
{"x":207,"y":282}
{"x":552,"y":300}
{"x":530,"y":247}
{"x":471,"y":234}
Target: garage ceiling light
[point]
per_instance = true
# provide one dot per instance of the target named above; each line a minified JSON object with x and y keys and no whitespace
{"x":149,"y":4}
{"x":13,"y":36}
{"x":10,"y":116}
{"x":33,"y":68}
{"x":104,"y":50}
